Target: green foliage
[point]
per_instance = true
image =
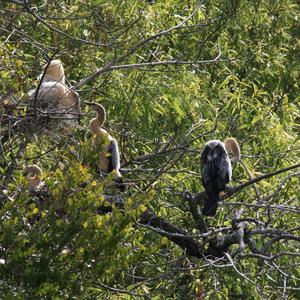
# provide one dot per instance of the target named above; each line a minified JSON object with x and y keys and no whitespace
{"x":161,"y":115}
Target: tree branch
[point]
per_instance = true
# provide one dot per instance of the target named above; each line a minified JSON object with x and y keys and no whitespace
{"x":194,"y":208}
{"x":173,"y":233}
{"x":201,"y":197}
{"x":111,"y":67}
{"x":33,"y":12}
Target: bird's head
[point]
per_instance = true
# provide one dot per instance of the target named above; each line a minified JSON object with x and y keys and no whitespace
{"x":101,"y":115}
{"x":56,"y":63}
{"x":215,"y":149}
{"x":98,"y":108}
{"x":95,"y":106}
{"x":33,"y":171}
{"x":232,"y":146}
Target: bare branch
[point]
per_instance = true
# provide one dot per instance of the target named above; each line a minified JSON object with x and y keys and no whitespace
{"x":114,"y":64}
{"x":111,"y":67}
{"x":238,"y":272}
{"x":34,"y":13}
{"x":266,"y":206}
{"x":268,"y":175}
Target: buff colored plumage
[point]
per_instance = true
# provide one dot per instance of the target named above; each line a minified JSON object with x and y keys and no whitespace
{"x":34,"y":176}
{"x":109,"y":158}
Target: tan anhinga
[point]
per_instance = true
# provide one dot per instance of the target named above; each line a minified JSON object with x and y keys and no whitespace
{"x":38,"y":190}
{"x":34,"y":175}
{"x":109,"y":160}
{"x":52,"y":92}
{"x":216,"y":170}
{"x":54,"y":71}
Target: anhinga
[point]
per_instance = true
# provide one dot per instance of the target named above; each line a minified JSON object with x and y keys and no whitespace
{"x":34,"y":175}
{"x":54,"y":71}
{"x":53,"y":93}
{"x":109,"y":158}
{"x":38,"y":190}
{"x":216,"y":170}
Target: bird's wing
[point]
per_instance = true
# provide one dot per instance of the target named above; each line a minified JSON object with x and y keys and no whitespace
{"x":224,"y":171}
{"x":205,"y":168}
{"x":49,"y":93}
{"x":114,"y":159}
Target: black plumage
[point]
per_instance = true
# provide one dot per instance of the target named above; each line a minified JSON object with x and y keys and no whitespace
{"x":114,"y":163}
{"x":216,"y":172}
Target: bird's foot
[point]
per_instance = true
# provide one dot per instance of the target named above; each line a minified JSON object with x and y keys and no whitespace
{"x":222,"y":195}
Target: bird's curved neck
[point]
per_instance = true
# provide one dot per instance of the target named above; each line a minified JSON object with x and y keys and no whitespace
{"x":233,"y":146}
{"x":97,"y":123}
{"x":33,"y":175}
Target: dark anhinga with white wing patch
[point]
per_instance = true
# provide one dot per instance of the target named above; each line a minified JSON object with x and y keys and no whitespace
{"x":216,"y":170}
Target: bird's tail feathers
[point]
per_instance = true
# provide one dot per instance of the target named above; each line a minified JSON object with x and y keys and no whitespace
{"x":210,"y":207}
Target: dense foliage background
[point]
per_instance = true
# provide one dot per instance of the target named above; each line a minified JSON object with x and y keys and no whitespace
{"x":172,"y":75}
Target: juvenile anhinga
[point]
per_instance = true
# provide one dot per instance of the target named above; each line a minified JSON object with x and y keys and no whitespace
{"x":54,"y":71}
{"x":38,"y":190}
{"x":52,"y":92}
{"x":216,"y":170}
{"x":55,"y":95}
{"x":109,"y":158}
{"x":34,"y":175}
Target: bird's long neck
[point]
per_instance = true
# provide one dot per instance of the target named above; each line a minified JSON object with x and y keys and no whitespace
{"x":34,"y":176}
{"x":56,"y":71}
{"x":232,"y":145}
{"x":97,"y":123}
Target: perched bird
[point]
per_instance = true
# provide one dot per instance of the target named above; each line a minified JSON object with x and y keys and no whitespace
{"x":34,"y":175}
{"x":109,"y":158}
{"x":53,"y":96}
{"x":216,"y":170}
{"x":54,"y":71}
{"x":38,"y":190}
